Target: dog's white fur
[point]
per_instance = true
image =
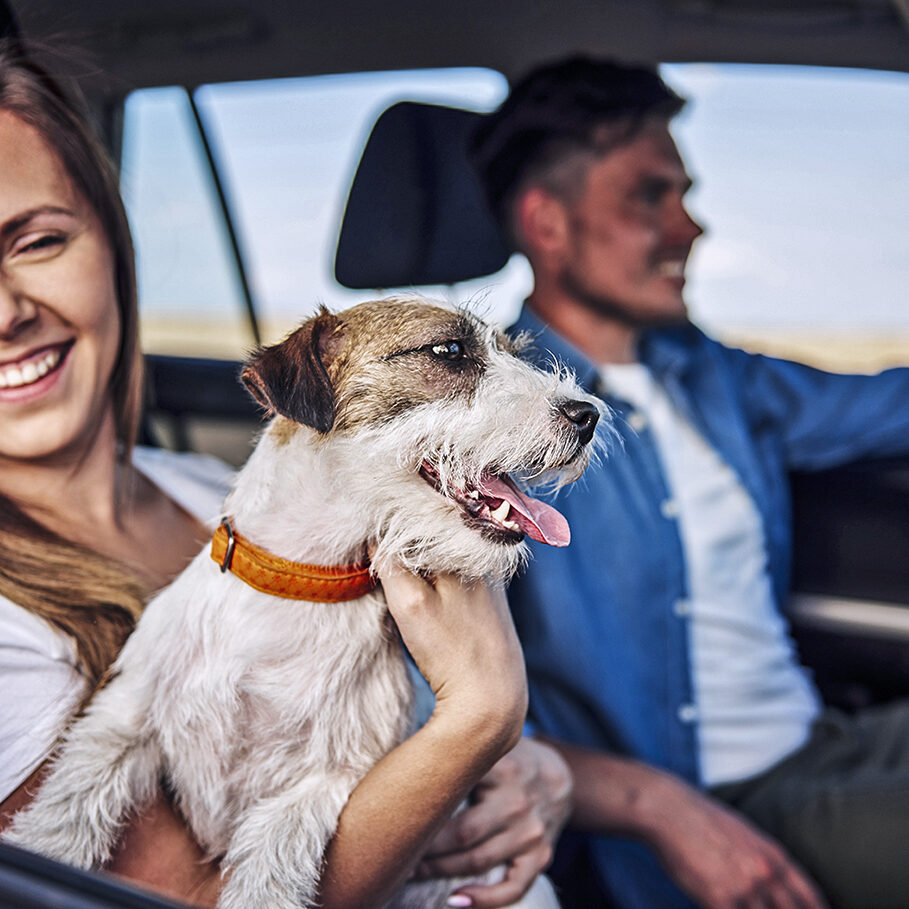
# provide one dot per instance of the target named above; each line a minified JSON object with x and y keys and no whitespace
{"x":260,"y":713}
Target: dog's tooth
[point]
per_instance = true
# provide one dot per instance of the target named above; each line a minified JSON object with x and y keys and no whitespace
{"x":510,"y":525}
{"x":474,"y":493}
{"x":502,"y":512}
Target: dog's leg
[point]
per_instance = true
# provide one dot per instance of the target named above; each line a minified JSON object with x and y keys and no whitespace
{"x":275,"y":855}
{"x":106,"y":769}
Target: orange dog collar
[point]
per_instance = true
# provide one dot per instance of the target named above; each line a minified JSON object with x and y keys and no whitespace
{"x":282,"y":578}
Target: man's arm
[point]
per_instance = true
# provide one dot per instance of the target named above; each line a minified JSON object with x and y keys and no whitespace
{"x":711,"y":852}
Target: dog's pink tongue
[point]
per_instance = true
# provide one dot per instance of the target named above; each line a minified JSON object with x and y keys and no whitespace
{"x":538,"y":520}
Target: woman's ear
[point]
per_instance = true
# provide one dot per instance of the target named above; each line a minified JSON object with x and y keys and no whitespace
{"x":291,"y":378}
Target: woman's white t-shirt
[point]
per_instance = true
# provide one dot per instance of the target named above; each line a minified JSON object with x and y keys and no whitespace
{"x":40,"y":685}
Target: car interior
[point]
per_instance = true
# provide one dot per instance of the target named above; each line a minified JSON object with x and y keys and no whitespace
{"x":413,"y":216}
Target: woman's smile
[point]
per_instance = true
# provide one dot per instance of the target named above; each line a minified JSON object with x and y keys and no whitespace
{"x":33,"y":374}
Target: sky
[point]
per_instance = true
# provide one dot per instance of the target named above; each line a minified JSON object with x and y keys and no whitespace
{"x":800,"y":175}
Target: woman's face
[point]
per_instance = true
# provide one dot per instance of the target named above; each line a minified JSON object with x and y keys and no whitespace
{"x":59,"y":319}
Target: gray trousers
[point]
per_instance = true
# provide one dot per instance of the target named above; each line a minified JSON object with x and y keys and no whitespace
{"x":840,"y":806}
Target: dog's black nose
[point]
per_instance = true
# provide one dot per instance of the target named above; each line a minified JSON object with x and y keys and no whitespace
{"x":583,"y":416}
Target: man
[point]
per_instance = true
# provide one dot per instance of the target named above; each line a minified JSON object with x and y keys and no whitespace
{"x":659,"y":658}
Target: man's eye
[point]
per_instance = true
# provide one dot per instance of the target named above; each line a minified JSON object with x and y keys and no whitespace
{"x":448,"y":350}
{"x":651,"y":194}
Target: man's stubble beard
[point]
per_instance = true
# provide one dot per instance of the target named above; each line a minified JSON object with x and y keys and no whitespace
{"x":624,"y":314}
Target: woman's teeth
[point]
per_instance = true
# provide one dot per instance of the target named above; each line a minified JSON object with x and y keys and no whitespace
{"x":31,"y":372}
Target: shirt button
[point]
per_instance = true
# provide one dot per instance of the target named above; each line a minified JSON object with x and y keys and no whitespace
{"x":637,"y":420}
{"x":669,"y":508}
{"x":682,"y":608}
{"x":688,"y":713}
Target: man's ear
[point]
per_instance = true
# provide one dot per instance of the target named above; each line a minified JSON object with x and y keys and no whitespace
{"x":291,"y":378}
{"x":542,"y":221}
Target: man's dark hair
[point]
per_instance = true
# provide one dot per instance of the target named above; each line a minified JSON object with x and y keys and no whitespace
{"x":575,"y":105}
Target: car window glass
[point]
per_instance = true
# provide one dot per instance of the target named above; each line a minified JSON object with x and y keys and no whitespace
{"x":189,"y":292}
{"x":800,"y":179}
{"x":289,"y":152}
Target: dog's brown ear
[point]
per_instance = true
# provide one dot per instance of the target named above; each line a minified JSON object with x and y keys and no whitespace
{"x":291,"y":379}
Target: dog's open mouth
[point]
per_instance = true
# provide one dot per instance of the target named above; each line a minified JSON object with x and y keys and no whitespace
{"x":502,"y":511}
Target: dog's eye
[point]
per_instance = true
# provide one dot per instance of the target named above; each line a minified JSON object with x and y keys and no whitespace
{"x":449,"y":350}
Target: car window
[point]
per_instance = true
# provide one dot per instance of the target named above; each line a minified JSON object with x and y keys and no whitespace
{"x":802,"y":182}
{"x":189,"y":291}
{"x":800,"y":178}
{"x":287,"y":150}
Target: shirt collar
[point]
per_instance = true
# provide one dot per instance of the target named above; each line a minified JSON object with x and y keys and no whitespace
{"x":670,"y":351}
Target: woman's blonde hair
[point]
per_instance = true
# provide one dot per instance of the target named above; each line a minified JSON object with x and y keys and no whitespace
{"x":92,"y":598}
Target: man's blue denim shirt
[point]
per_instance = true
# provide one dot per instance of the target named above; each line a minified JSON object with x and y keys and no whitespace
{"x":605,"y":639}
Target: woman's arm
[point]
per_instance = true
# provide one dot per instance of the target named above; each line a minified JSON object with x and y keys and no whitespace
{"x":464,"y":643}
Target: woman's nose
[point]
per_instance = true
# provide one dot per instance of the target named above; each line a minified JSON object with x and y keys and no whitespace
{"x":16,"y":309}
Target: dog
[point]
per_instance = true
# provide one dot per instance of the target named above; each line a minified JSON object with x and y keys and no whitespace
{"x":398,"y":425}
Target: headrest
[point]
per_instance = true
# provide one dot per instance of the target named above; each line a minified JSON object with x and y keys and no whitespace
{"x":416,"y":213}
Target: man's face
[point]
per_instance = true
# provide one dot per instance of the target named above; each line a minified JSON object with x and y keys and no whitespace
{"x":629,"y":234}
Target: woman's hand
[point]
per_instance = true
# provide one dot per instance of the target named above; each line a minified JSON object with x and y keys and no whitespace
{"x":462,"y":639}
{"x":515,"y":816}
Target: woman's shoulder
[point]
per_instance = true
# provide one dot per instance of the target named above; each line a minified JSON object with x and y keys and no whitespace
{"x":41,"y":687}
{"x":196,"y":482}
{"x":25,"y":632}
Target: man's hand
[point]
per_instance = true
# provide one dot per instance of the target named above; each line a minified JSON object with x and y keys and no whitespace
{"x":722,"y":861}
{"x":713,"y":853}
{"x":516,"y":814}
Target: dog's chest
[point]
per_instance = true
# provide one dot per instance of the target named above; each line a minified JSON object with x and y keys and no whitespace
{"x":307,"y":686}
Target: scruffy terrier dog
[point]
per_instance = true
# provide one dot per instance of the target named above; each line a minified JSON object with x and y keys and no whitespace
{"x":400,"y":426}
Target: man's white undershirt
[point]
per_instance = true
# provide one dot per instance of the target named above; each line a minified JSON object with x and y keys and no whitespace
{"x":755,"y":703}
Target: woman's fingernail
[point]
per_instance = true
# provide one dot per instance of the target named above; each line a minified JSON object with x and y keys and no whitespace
{"x":460,"y":899}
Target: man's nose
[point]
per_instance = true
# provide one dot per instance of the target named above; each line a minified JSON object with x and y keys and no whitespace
{"x":685,"y":230}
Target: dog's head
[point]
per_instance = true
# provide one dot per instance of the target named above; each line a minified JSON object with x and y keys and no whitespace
{"x":432,"y":426}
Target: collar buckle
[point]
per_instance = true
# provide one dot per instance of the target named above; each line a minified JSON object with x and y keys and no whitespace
{"x":231,"y":543}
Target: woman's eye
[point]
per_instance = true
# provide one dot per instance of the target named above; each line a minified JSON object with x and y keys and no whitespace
{"x":449,"y":350}
{"x":39,"y":244}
